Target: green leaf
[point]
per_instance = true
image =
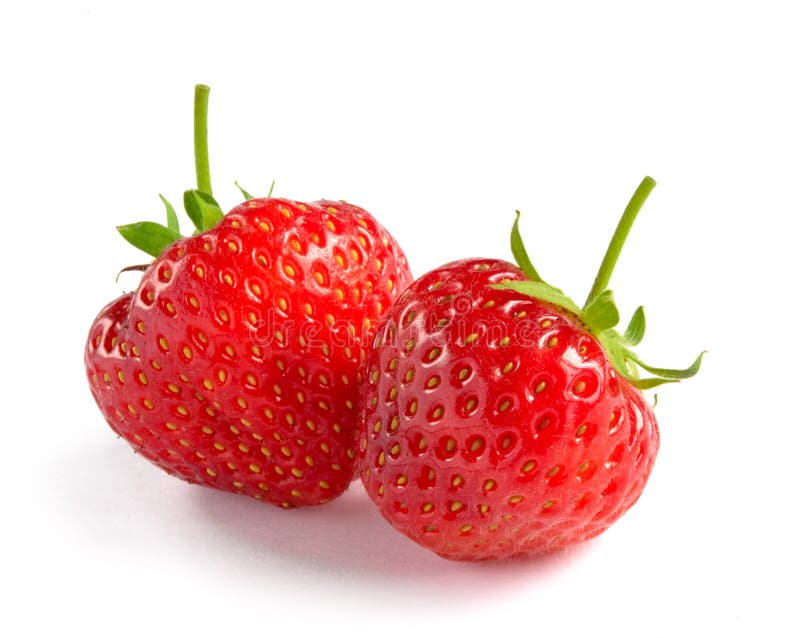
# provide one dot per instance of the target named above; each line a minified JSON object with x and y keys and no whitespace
{"x":520,"y":254}
{"x":247,"y":196}
{"x":172,"y":217}
{"x":150,"y":237}
{"x":601,"y":313}
{"x":635,"y":330}
{"x":202,"y":209}
{"x":669,"y":373}
{"x":540,"y":290}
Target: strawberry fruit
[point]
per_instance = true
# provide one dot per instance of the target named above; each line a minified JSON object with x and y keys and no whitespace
{"x":501,"y":419}
{"x":235,"y":363}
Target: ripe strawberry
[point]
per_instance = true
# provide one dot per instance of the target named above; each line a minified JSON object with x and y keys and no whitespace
{"x":501,"y":419}
{"x":235,"y":364}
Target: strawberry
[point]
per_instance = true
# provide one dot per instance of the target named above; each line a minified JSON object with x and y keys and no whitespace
{"x":501,"y":419}
{"x":235,"y":363}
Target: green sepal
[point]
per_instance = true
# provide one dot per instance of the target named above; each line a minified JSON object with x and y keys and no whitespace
{"x":202,"y":209}
{"x":669,"y":373}
{"x":520,"y":254}
{"x":271,"y":188}
{"x":650,"y":382}
{"x":601,"y":313}
{"x":172,"y":216}
{"x":247,"y":196}
{"x":150,"y":237}
{"x":540,"y":290}
{"x":634,"y":333}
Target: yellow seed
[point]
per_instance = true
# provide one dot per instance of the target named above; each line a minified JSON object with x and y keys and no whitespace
{"x":210,"y":472}
{"x":171,"y":426}
{"x":402,"y":479}
{"x":471,"y":338}
{"x":456,"y":506}
{"x":528,"y":466}
{"x":515,"y":499}
{"x":489,"y":484}
{"x":325,"y":485}
{"x":162,"y":343}
{"x":289,"y":270}
{"x":254,"y":468}
{"x":296,"y":473}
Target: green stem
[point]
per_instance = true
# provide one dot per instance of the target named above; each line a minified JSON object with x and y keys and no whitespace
{"x":618,"y":239}
{"x":201,"y":92}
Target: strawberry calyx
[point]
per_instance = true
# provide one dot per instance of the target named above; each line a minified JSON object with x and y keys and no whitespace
{"x":599,"y":314}
{"x":199,"y":203}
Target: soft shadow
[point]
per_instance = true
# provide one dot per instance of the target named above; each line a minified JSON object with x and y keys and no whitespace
{"x":349,"y":538}
{"x":117,"y":499}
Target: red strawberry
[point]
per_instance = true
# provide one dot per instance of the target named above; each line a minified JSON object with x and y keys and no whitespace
{"x":235,"y":364}
{"x":500,"y":418}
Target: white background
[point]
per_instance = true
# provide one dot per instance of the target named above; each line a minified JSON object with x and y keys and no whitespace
{"x":441,"y":118}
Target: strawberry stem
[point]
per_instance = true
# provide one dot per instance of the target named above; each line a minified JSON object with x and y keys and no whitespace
{"x":618,"y":239}
{"x":201,"y":92}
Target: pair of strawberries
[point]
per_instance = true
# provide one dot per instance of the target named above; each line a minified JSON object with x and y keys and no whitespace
{"x":284,"y":349}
